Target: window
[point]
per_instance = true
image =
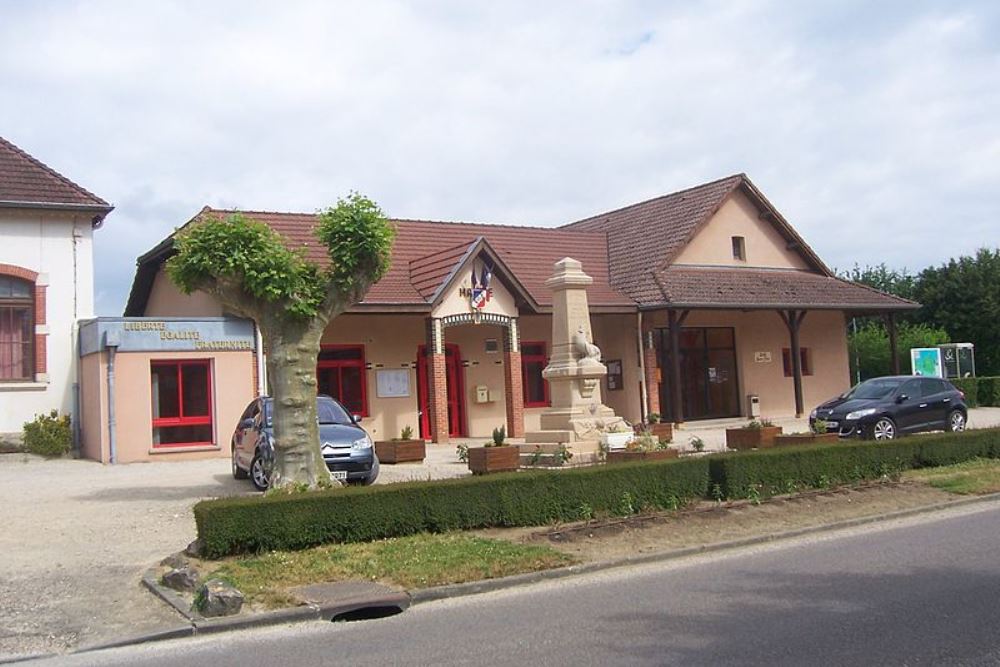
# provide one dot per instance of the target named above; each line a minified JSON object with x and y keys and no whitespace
{"x":533,"y":362}
{"x":182,"y":403}
{"x":804,"y":358}
{"x":739,"y":249}
{"x":17,"y":323}
{"x":340,"y":373}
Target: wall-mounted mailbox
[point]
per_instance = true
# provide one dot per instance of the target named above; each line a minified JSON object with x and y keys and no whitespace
{"x":482,"y":394}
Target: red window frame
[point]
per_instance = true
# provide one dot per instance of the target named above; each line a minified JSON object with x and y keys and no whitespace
{"x":542,"y":358}
{"x":804,"y":358}
{"x":347,"y":363}
{"x":182,"y":419}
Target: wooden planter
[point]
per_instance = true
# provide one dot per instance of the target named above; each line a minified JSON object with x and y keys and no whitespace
{"x":625,"y":456}
{"x":662,"y":431}
{"x":486,"y":460}
{"x":804,"y":439}
{"x":400,"y":451}
{"x":751,"y":438}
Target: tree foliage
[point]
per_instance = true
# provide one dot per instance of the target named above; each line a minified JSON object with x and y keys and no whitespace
{"x":963,"y":296}
{"x":869,"y":347}
{"x":899,"y":282}
{"x":250,"y":269}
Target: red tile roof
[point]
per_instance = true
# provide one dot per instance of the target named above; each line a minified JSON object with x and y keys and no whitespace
{"x":700,"y":287}
{"x":25,"y":180}
{"x":628,"y":252}
{"x":426,"y":251}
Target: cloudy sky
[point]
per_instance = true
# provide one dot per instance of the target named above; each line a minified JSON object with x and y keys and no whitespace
{"x":873,"y":126}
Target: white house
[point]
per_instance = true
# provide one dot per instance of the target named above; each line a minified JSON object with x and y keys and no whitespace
{"x":47,"y":224}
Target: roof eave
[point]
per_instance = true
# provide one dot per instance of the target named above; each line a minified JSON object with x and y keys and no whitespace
{"x":854,"y":307}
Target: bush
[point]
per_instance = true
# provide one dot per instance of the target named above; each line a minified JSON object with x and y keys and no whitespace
{"x":969,"y":387}
{"x":48,"y":435}
{"x":769,"y":472}
{"x":989,"y":391}
{"x":358,"y":514}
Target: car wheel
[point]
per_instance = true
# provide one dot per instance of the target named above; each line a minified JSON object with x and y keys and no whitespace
{"x":258,"y":473}
{"x":956,"y":421}
{"x":883,"y":429}
{"x":238,"y":472}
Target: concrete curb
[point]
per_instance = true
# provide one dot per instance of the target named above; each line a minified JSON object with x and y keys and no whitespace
{"x":198,"y":625}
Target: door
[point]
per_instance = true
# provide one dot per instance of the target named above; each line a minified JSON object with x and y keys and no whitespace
{"x":911,"y":413}
{"x":247,"y":434}
{"x":709,"y":384}
{"x":456,"y":391}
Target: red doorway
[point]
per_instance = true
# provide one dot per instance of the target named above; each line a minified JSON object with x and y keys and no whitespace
{"x":456,"y":391}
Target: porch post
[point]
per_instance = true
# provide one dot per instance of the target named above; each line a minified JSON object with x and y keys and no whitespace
{"x":793,"y":320}
{"x":512,"y":381}
{"x":890,"y":326}
{"x":650,"y":363}
{"x":437,"y":381}
{"x":674,"y":321}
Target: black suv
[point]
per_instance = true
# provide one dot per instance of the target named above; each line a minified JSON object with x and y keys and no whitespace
{"x":886,"y":407}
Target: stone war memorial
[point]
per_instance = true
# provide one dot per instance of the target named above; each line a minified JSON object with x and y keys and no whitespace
{"x":577,"y":418}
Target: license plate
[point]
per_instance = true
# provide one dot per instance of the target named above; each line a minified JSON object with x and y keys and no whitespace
{"x":339,"y":474}
{"x":832,"y":425}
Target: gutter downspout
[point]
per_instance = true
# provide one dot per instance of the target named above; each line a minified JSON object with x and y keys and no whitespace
{"x":258,"y":342}
{"x":111,"y":342}
{"x":643,"y":390}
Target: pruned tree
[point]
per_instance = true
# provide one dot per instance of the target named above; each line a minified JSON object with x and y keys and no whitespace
{"x":248,"y":267}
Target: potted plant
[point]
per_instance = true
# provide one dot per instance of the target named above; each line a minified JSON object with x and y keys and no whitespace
{"x":659,"y":429}
{"x":644,"y":448}
{"x":817,"y":434}
{"x":756,"y":434}
{"x":404,"y":449}
{"x":617,"y":436}
{"x":495,"y":456}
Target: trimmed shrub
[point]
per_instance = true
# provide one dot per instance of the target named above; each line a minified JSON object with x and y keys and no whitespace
{"x":358,"y":514}
{"x":769,"y":472}
{"x":48,"y":435}
{"x":969,"y":387}
{"x":989,"y":392}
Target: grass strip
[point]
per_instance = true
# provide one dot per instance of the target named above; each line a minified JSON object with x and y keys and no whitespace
{"x":974,"y":477}
{"x":415,"y":561}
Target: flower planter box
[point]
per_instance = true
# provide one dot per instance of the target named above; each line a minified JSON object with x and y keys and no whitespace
{"x":625,"y":456}
{"x":616,"y":440}
{"x":486,"y":460}
{"x":804,"y":439}
{"x":751,"y":438}
{"x":662,"y":431}
{"x":400,"y":451}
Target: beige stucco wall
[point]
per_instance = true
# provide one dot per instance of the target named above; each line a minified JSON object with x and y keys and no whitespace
{"x":823,"y":332}
{"x":232,"y":390}
{"x":616,"y":336}
{"x":165,"y":300}
{"x":739,"y":217}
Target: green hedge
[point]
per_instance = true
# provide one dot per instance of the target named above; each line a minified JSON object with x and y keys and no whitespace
{"x":989,"y":391}
{"x":774,"y":471}
{"x":297,"y":521}
{"x":969,"y":387}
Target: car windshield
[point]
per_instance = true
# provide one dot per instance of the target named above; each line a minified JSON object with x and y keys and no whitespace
{"x":327,"y":411}
{"x":878,"y":388}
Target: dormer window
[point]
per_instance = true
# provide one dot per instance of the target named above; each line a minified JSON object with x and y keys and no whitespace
{"x":739,"y":249}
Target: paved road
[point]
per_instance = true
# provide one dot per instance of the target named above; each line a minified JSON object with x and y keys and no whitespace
{"x":910,"y":593}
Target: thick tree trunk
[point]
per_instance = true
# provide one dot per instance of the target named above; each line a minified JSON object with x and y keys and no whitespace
{"x":291,"y":368}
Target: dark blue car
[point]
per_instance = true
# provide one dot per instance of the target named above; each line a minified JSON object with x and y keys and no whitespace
{"x":887,"y":407}
{"x":347,"y":448}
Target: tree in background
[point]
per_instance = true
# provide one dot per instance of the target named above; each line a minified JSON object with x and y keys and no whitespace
{"x":899,"y":283}
{"x":869,"y":346}
{"x":963,"y":297}
{"x":248,"y":267}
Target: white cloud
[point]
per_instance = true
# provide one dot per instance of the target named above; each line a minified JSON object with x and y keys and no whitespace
{"x":875,"y":132}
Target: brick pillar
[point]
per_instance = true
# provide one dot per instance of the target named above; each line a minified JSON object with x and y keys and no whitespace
{"x":437,"y":382}
{"x":652,"y":383}
{"x":513,"y":383}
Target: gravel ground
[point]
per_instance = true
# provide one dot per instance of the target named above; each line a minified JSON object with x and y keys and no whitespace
{"x":78,"y":535}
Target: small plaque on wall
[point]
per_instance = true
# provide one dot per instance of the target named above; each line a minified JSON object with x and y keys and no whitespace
{"x":762,"y":357}
{"x":614,"y":374}
{"x":392,"y":383}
